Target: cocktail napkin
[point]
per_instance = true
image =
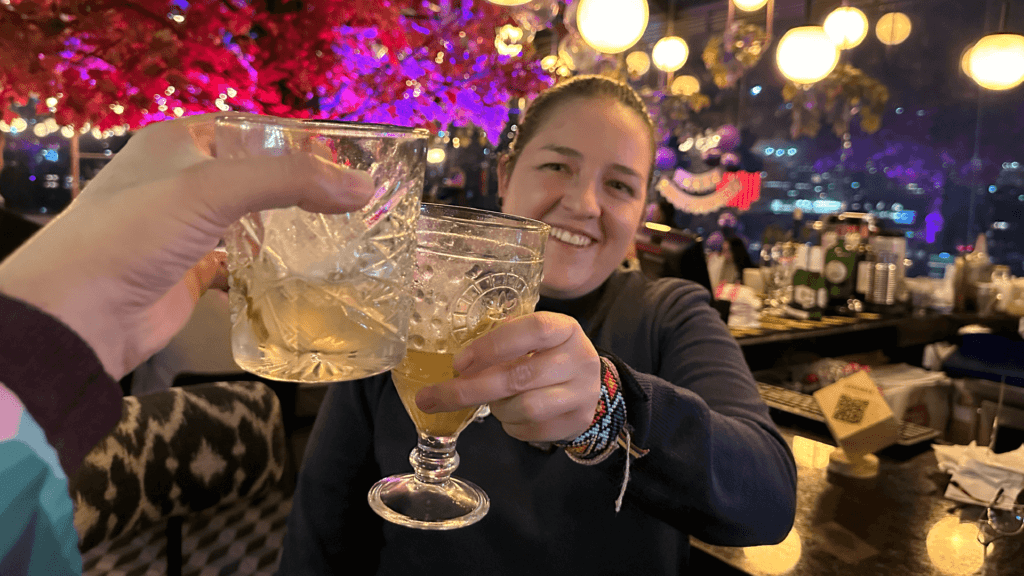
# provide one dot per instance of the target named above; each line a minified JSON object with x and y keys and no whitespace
{"x":979,"y":474}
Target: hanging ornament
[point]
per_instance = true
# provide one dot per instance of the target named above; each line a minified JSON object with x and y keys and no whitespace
{"x":577,"y":54}
{"x":701,"y":193}
{"x":536,"y":15}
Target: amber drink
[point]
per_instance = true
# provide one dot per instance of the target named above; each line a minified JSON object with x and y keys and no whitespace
{"x":473,"y":269}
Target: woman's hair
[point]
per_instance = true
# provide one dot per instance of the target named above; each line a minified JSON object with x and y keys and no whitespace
{"x":579,"y":87}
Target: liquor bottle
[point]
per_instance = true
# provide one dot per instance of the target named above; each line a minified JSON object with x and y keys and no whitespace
{"x":803,"y":297}
{"x":841,"y":272}
{"x":817,"y":283}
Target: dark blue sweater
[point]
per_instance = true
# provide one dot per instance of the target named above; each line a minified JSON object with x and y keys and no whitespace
{"x":716,"y":466}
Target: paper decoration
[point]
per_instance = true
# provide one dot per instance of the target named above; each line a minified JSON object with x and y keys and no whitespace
{"x":710,"y":191}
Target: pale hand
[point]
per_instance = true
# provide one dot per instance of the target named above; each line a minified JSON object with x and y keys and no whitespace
{"x":539,"y":373}
{"x":119,"y":265}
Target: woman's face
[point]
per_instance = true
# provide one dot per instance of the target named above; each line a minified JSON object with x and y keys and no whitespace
{"x":585,"y":173}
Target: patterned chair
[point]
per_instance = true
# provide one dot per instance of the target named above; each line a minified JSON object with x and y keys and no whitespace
{"x":177,"y":452}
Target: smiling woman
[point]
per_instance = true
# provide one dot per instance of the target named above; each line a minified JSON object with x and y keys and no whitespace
{"x":581,"y":162}
{"x":610,"y":360}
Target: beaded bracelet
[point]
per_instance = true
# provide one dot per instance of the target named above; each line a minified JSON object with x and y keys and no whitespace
{"x":599,"y":440}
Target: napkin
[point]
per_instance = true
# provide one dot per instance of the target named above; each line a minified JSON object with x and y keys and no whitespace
{"x":981,"y":473}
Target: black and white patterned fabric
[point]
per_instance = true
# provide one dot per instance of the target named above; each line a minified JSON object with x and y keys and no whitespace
{"x":177,"y":452}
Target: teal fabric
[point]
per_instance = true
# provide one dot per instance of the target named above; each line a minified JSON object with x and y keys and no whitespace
{"x":37,"y":533}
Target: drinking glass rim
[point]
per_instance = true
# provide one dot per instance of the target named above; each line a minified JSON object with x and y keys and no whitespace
{"x":333,"y":127}
{"x":476,"y":216}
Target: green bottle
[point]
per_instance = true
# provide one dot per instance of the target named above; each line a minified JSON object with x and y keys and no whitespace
{"x":817,"y":283}
{"x":802,"y":298}
{"x":841,"y":272}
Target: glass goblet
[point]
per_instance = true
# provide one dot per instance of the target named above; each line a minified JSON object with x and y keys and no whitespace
{"x":473,"y":270}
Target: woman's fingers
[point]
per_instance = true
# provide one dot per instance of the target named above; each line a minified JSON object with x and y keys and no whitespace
{"x":515,"y":338}
{"x":547,"y":368}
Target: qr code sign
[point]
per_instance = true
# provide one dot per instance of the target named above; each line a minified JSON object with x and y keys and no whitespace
{"x":850,"y":410}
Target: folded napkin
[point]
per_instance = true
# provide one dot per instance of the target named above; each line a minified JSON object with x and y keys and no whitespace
{"x":979,"y":474}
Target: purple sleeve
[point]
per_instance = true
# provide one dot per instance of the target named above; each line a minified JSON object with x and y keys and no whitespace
{"x":59,"y":380}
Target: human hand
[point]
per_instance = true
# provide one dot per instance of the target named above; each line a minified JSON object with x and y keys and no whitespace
{"x":119,"y":265}
{"x":539,"y":373}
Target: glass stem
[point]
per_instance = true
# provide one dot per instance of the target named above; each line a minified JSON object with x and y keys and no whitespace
{"x":434,"y":458}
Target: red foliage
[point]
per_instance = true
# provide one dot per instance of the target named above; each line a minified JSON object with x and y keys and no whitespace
{"x":112,"y":62}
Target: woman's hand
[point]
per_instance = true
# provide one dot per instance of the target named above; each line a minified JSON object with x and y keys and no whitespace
{"x":540,"y":374}
{"x":119,"y":265}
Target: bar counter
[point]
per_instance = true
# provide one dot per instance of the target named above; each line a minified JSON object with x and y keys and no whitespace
{"x":901,"y":337}
{"x":897,"y":523}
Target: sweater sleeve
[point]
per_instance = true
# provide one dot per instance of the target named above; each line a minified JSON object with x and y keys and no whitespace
{"x":716,"y":465}
{"x":59,"y":380}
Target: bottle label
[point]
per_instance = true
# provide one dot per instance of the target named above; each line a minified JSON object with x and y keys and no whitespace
{"x":863,"y":277}
{"x":803,"y":296}
{"x":836,"y":272}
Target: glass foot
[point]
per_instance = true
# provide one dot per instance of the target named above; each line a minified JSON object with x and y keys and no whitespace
{"x":406,"y":501}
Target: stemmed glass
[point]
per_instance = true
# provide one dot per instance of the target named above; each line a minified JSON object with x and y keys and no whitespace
{"x":776,"y":266}
{"x":473,"y":269}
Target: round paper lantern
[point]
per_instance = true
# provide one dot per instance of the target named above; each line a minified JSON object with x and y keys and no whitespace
{"x":846,"y":26}
{"x":893,"y":28}
{"x":670,"y":53}
{"x":997,"y":61}
{"x":806,"y":54}
{"x":685,"y":86}
{"x":612,"y":26}
{"x":749,"y":5}
{"x":638,"y":63}
{"x":508,"y":2}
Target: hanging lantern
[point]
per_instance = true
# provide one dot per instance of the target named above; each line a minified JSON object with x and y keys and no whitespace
{"x":806,"y":54}
{"x":749,"y":5}
{"x":612,"y":26}
{"x":685,"y":86}
{"x":638,"y":63}
{"x":508,"y":2}
{"x":670,"y":53}
{"x":846,"y":26}
{"x":997,"y":61}
{"x":893,"y":28}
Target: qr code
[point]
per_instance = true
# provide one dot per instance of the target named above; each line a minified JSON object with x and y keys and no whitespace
{"x":850,"y":410}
